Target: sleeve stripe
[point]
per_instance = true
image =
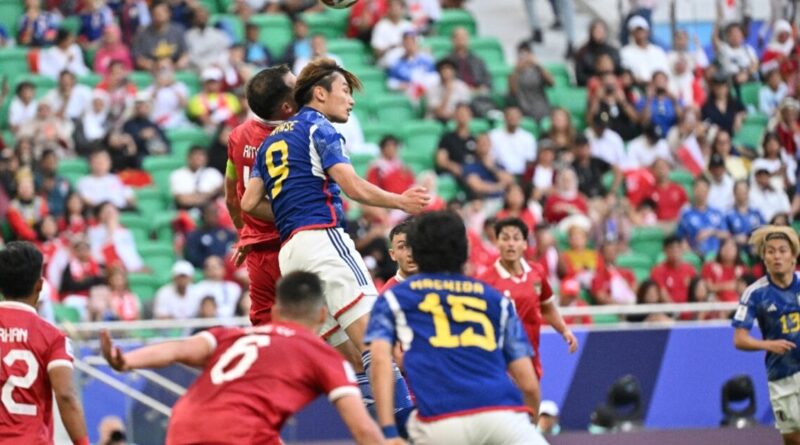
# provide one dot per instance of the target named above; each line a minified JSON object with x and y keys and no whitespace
{"x":550,"y":300}
{"x":343,"y":391}
{"x":209,"y":337}
{"x":59,"y":363}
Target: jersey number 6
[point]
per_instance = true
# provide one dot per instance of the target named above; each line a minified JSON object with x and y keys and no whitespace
{"x":246,"y":349}
{"x":279,"y":172}
{"x":463,"y":310}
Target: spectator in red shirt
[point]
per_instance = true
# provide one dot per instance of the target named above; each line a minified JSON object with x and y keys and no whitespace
{"x":124,"y":304}
{"x":787,"y":127}
{"x":482,"y":250}
{"x":566,"y":200}
{"x":723,"y":273}
{"x":674,"y":274}
{"x":111,"y":49}
{"x":668,"y":196}
{"x":76,"y":215}
{"x":364,"y":15}
{"x":388,"y":172}
{"x":515,"y":205}
{"x":612,"y":284}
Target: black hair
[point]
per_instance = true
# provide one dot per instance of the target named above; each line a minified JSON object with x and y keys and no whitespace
{"x":693,"y":284}
{"x":20,"y":270}
{"x":299,"y":294}
{"x":737,"y":259}
{"x":703,"y":179}
{"x":322,"y":73}
{"x":404,"y":228}
{"x":580,"y":140}
{"x":641,"y":291}
{"x":672,"y":239}
{"x":511,"y":222}
{"x":267,"y":90}
{"x":98,"y":209}
{"x":386,"y":139}
{"x":445,"y":62}
{"x":438,"y":242}
{"x":524,"y":46}
{"x":22,"y":85}
{"x":61,"y":35}
{"x":194,"y":149}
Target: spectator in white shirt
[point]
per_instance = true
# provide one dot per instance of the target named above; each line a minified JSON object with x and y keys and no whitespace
{"x":169,"y":97}
{"x":768,"y":200}
{"x":387,"y":37}
{"x":680,"y":51}
{"x":771,"y":92}
{"x":110,"y":236}
{"x":645,"y":149}
{"x":23,"y":105}
{"x":196,"y":184}
{"x":442,"y":99}
{"x":177,"y":300}
{"x":206,"y":45}
{"x":606,"y":143}
{"x":64,"y":55}
{"x":512,"y":146}
{"x":69,"y":99}
{"x":225,"y":293}
{"x":737,"y":59}
{"x":720,"y":192}
{"x":103,"y":186}
{"x":640,"y":56}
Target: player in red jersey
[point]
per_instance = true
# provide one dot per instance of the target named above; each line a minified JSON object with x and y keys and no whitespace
{"x":401,"y":253}
{"x":527,"y":285}
{"x":35,"y":358}
{"x":269,"y":95}
{"x":256,"y":378}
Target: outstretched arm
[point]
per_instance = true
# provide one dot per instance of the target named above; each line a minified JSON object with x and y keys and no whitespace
{"x":68,"y":404}
{"x":193,"y":351}
{"x":411,"y":201}
{"x":553,"y":317}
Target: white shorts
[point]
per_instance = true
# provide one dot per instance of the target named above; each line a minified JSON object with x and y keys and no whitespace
{"x":346,"y":282}
{"x":500,"y":427}
{"x":784,"y":395}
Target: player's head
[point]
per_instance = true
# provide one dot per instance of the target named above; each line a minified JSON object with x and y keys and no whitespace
{"x":399,"y":249}
{"x":778,"y":246}
{"x":269,"y":93}
{"x":512,"y":238}
{"x":299,"y":298}
{"x":328,"y":88}
{"x":21,"y":271}
{"x":438,"y":242}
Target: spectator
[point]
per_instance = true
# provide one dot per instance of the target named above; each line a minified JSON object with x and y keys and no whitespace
{"x":583,"y":261}
{"x":48,"y":240}
{"x":79,"y":275}
{"x":65,"y":55}
{"x":672,"y":276}
{"x":112,"y":244}
{"x":723,"y":273}
{"x":226,"y":293}
{"x":103,"y":186}
{"x":196,"y":184}
{"x":734,"y":164}
{"x":482,"y":244}
{"x":596,"y":46}
{"x":177,"y":300}
{"x":484,"y":177}
{"x":37,"y":28}
{"x":23,"y":106}
{"x":569,"y":296}
{"x":515,"y":205}
{"x":700,"y":292}
{"x":668,"y":196}
{"x":389,"y":172}
{"x":688,"y":142}
{"x":527,"y":83}
{"x":766,"y":199}
{"x":413,"y":71}
{"x":48,"y":130}
{"x":364,"y":15}
{"x":612,"y":284}
{"x":722,"y":109}
{"x":169,"y":97}
{"x":121,"y":92}
{"x":512,"y":146}
{"x":69,"y":99}
{"x":701,"y":225}
{"x":781,"y":166}
{"x":212,"y":106}
{"x":76,"y":218}
{"x":606,"y":143}
{"x":443,"y":98}
{"x":94,"y":124}
{"x":146,"y":134}
{"x":210,"y":239}
{"x":208,"y":308}
{"x":787,"y":126}
{"x":112,"y":48}
{"x":720,"y":193}
{"x":566,"y":200}
{"x":591,"y":169}
{"x":387,"y":37}
{"x":737,"y":59}
{"x":469,"y":67}
{"x":26,"y":210}
{"x":683,"y":84}
{"x":319,"y":50}
{"x":660,"y":108}
{"x":94,"y":20}
{"x":778,"y":53}
{"x":561,"y":132}
{"x":771,"y":92}
{"x":650,"y":292}
{"x":133,"y":16}
{"x":640,"y":56}
{"x":50,"y":185}
{"x":300,"y":46}
{"x":743,"y":218}
{"x":542,"y":174}
{"x":206,"y":45}
{"x":160,"y":39}
{"x":255,"y":52}
{"x":680,"y":53}
{"x":457,"y":148}
{"x":645,"y":149}
{"x":124,"y":304}
{"x":612,"y":105}
{"x":424,"y":14}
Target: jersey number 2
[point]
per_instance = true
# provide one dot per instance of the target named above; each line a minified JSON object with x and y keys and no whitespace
{"x":280,"y":171}
{"x":463,"y":310}
{"x":246,"y":350}
{"x":21,"y":382}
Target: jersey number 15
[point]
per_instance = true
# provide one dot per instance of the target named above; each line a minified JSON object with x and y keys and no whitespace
{"x":462,"y":310}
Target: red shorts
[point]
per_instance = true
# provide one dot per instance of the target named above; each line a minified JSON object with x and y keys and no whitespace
{"x":263,"y":271}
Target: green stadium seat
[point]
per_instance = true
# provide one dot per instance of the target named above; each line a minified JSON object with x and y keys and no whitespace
{"x":647,"y":240}
{"x":161,"y":224}
{"x":421,"y":137}
{"x":90,"y":80}
{"x":276,"y":31}
{"x":321,"y":23}
{"x":454,"y":18}
{"x":375,"y":131}
{"x":232,"y":21}
{"x":190,"y":79}
{"x":71,"y":24}
{"x":573,"y":100}
{"x":500,"y":73}
{"x":477,"y":125}
{"x":361,"y":162}
{"x":73,"y":166}
{"x":182,"y":139}
{"x":393,"y":108}
{"x":374,"y":80}
{"x":749,"y":94}
{"x":139,"y":226}
{"x":66,"y":314}
{"x":634,"y":260}
{"x":561,"y":73}
{"x":10,"y":13}
{"x":159,"y":257}
{"x":212,"y":6}
{"x":149,"y":201}
{"x":160,"y":168}
{"x":226,"y":6}
{"x":689,"y":257}
{"x":489,"y":49}
{"x":685,"y":179}
{"x":756,"y":119}
{"x":641,"y":273}
{"x":144,"y":286}
{"x":750,"y":135}
{"x":14,"y":61}
{"x":89,"y":55}
{"x":438,"y":46}
{"x":141,"y":79}
{"x":351,"y":51}
{"x":447,"y":187}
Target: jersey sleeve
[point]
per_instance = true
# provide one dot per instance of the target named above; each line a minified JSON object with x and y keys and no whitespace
{"x":746,"y":312}
{"x":60,"y":352}
{"x":329,"y":145}
{"x":259,"y":165}
{"x":514,"y":341}
{"x":382,"y":324}
{"x":335,"y":376}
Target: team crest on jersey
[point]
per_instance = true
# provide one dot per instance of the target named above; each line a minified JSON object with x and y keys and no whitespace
{"x":537,"y":286}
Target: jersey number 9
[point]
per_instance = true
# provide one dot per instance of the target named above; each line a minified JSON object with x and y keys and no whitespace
{"x":462,"y":310}
{"x":246,"y":349}
{"x":280,"y":171}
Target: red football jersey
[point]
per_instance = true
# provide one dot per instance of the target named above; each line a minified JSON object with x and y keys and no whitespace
{"x":669,"y":199}
{"x":528,"y":291}
{"x":256,"y":379}
{"x":718,"y":274}
{"x":391,"y":282}
{"x":243,"y":145}
{"x":29,"y":348}
{"x":674,"y":280}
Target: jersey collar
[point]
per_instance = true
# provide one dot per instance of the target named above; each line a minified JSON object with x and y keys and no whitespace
{"x":506,"y":275}
{"x":399,"y":277}
{"x":17,"y":305}
{"x":791,"y":285}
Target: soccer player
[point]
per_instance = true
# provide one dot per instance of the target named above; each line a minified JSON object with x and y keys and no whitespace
{"x":400,"y":253}
{"x":269,"y":94}
{"x":256,"y":378}
{"x":774,"y":301}
{"x":35,"y":357}
{"x":527,"y":285}
{"x":463,"y":346}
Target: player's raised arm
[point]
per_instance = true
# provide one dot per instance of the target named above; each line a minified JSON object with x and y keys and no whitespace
{"x":193,"y":351}
{"x":411,"y":201}
{"x":69,"y":406}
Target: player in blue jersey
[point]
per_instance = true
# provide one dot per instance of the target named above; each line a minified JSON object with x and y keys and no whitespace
{"x":774,"y":301}
{"x":463,"y":346}
{"x":300,"y":171}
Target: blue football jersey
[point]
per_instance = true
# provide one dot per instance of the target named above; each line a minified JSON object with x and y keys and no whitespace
{"x":293,"y":162}
{"x":744,"y":223}
{"x":459,"y":335}
{"x":778,"y":313}
{"x":693,"y":220}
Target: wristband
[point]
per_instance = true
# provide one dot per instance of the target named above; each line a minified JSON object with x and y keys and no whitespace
{"x":82,"y":441}
{"x":390,"y":432}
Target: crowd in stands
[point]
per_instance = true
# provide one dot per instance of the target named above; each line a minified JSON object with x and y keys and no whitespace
{"x":639,"y":169}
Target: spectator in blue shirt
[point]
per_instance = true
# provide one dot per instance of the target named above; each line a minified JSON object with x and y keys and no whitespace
{"x":300,"y":46}
{"x":742,"y":219}
{"x":93,"y":22}
{"x":37,"y":27}
{"x":660,"y":107}
{"x":771,"y":92}
{"x":210,"y":239}
{"x":483,"y":177}
{"x":702,"y":226}
{"x":254,"y":52}
{"x":413,"y":70}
